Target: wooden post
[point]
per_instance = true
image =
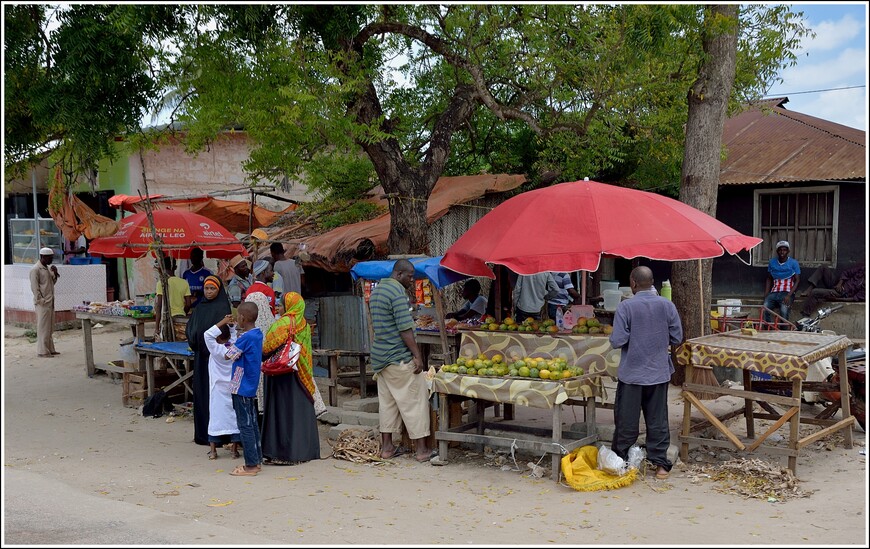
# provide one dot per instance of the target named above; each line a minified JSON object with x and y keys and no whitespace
{"x":442,"y":330}
{"x":89,"y":346}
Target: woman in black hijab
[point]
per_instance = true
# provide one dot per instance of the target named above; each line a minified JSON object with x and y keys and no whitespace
{"x":208,"y":313}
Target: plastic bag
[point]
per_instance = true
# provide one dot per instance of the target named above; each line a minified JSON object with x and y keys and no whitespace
{"x":611,"y":463}
{"x":636,"y":455}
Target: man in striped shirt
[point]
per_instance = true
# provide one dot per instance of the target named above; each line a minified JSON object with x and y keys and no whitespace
{"x":403,"y":396}
{"x":783,"y":277}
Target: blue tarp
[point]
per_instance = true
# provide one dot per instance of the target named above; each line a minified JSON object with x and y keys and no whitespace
{"x":176,"y":347}
{"x":424,"y":267}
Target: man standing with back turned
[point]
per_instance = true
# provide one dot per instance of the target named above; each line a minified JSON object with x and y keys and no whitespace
{"x":403,"y":395}
{"x":642,"y":329}
{"x":42,"y":279}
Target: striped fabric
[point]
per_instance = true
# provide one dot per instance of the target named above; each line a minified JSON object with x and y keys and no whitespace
{"x":782,"y":285}
{"x":391,"y":315}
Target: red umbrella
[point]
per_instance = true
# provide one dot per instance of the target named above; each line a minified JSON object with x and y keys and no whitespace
{"x":179,"y":230}
{"x":568,"y":227}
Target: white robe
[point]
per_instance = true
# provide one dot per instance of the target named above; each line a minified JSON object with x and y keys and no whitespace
{"x":222,"y":416}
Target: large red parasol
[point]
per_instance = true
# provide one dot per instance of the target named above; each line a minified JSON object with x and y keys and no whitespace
{"x":568,"y":227}
{"x":180,"y":231}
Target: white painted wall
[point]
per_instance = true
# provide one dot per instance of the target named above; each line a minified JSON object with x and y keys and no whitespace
{"x":77,"y":283}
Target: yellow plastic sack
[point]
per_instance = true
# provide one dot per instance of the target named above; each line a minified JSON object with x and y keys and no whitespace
{"x":580,"y":468}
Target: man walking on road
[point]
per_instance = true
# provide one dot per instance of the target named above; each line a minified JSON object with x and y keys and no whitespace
{"x":42,"y":280}
{"x":642,"y":329}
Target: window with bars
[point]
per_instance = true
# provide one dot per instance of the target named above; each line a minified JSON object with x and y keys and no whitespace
{"x":806,"y":217}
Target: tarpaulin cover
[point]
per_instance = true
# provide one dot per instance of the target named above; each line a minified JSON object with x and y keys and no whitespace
{"x":232,"y":214}
{"x":335,"y":250}
{"x":428,"y":267}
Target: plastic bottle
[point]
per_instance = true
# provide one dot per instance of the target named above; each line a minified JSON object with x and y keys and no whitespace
{"x":560,"y":319}
{"x":666,"y":289}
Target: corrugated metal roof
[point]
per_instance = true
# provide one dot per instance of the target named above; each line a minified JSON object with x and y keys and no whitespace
{"x":769,"y":144}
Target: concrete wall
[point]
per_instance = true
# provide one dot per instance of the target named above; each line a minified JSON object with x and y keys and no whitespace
{"x":172,"y":171}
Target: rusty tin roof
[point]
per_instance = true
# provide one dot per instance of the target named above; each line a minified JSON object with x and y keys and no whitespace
{"x":767,"y":144}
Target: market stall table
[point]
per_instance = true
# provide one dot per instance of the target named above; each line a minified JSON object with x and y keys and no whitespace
{"x":781,"y":354}
{"x":89,"y":319}
{"x":592,"y":353}
{"x":176,"y":354}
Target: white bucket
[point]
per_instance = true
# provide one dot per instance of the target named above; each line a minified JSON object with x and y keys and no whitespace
{"x":612,"y":299}
{"x":626,"y":291}
{"x":609,"y":285}
{"x":728,"y":307}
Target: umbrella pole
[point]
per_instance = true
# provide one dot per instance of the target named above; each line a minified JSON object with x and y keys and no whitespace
{"x":583,"y":287}
{"x":167,"y":329}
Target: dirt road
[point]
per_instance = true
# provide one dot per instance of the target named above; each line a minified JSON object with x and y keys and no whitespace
{"x":79,"y":468}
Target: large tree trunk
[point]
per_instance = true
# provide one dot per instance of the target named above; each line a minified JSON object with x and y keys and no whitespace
{"x":699,"y":179}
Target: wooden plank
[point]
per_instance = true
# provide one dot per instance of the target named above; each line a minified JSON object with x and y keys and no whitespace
{"x":844,"y":396}
{"x":555,"y":460}
{"x":89,"y":346}
{"x":726,"y":444}
{"x":751,"y":395}
{"x":794,"y":427}
{"x":713,"y":420}
{"x":503,"y":442}
{"x":445,"y":409}
{"x":845,"y":423}
{"x":771,"y":430}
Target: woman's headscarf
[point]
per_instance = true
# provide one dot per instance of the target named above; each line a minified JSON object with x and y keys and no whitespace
{"x":208,"y":312}
{"x":265,"y":316}
{"x":292,"y":326}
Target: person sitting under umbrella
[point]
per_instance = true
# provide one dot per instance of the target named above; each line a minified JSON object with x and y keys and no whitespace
{"x":178,"y":294}
{"x":475,"y":304}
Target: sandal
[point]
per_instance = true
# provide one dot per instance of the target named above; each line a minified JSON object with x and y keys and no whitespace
{"x":212,"y":455}
{"x":433,"y":453}
{"x":397,"y":451}
{"x":662,"y":473}
{"x":240,"y":471}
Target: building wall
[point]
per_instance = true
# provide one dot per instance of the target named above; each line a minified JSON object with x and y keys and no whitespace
{"x":733,"y":278}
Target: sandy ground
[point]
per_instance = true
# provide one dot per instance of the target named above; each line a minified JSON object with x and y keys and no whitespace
{"x":79,"y":468}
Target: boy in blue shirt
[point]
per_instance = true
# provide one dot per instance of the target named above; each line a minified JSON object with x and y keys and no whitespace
{"x":783,"y":277}
{"x":247,"y":357}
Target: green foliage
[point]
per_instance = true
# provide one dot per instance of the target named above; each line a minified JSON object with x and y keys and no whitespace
{"x":334,"y":94}
{"x":329,"y":214}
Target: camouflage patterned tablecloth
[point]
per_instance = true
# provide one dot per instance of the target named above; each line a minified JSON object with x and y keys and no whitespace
{"x":785,"y":354}
{"x":537,"y":393}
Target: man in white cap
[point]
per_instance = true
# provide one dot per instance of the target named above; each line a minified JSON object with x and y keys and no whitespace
{"x":241,"y":280}
{"x":262,"y":277}
{"x":783,"y":277}
{"x":42,"y":280}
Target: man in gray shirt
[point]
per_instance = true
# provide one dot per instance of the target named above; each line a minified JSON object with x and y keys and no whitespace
{"x":292,"y":275}
{"x":643,"y":327}
{"x":529,"y":294}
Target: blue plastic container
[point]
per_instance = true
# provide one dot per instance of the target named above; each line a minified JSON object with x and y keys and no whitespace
{"x":85,"y":260}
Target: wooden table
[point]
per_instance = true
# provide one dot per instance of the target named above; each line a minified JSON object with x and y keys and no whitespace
{"x":593,"y":353}
{"x":536,"y":393}
{"x":332,"y":360}
{"x":426,"y":340}
{"x":88,"y":319}
{"x":176,"y":355}
{"x":784,"y":355}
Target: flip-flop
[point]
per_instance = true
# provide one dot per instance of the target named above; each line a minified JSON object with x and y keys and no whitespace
{"x":240,"y":471}
{"x":432,"y":454}
{"x":212,"y":455}
{"x":662,"y":475}
{"x":399,"y":451}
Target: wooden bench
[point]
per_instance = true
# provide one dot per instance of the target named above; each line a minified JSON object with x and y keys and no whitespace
{"x":332,"y":356}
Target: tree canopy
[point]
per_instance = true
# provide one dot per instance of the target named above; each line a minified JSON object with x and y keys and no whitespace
{"x":348,"y":96}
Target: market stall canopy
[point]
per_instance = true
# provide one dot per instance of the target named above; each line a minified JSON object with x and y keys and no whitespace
{"x":569,"y":226}
{"x":424,"y":267}
{"x":336,"y":250}
{"x":232,"y":214}
{"x":180,"y":232}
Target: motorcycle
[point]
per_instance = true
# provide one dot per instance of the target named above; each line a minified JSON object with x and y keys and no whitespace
{"x":855,"y":367}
